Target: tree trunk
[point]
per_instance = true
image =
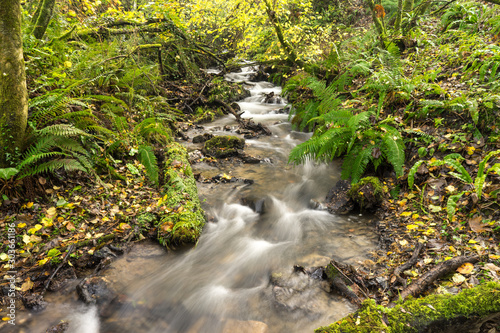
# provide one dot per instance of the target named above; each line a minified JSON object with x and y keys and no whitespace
{"x":13,"y":92}
{"x":42,"y":18}
{"x":287,"y":48}
{"x":399,"y":17}
{"x":378,"y":14}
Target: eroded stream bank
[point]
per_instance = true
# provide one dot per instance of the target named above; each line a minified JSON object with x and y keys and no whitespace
{"x":241,"y":273}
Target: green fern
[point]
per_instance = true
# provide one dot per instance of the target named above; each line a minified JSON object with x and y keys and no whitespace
{"x":148,"y":159}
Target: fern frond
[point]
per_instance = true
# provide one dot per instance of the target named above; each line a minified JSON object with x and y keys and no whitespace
{"x":148,"y":159}
{"x":68,"y":164}
{"x":412,"y":172}
{"x":393,"y":149}
{"x":355,"y":164}
{"x":62,"y":130}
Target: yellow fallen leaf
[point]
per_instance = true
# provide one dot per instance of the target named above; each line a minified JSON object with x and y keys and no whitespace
{"x":470,"y":150}
{"x":42,"y":262}
{"x":27,"y":285}
{"x":466,"y":268}
{"x":124,"y":226}
{"x":51,"y":211}
{"x":452,"y":249}
{"x":29,"y":204}
{"x":404,"y":214}
{"x":494,"y":256}
{"x":472,"y":241}
{"x":47,"y":222}
{"x":415,"y":216}
{"x":99,"y":235}
{"x":5,"y":318}
{"x":21,"y":225}
{"x":105,"y":219}
{"x":404,"y":242}
{"x":26,"y":239}
{"x":4,"y":256}
{"x":35,"y":239}
{"x":411,"y":226}
{"x":458,"y":278}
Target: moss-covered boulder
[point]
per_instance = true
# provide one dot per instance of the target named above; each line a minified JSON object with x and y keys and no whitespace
{"x":182,"y":218}
{"x":223,"y":146}
{"x":368,"y":193}
{"x":417,"y":315}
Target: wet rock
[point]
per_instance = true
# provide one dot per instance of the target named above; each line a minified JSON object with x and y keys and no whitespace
{"x":202,"y":138}
{"x":62,"y":279}
{"x":338,"y":200}
{"x":368,"y":193}
{"x":248,"y":326}
{"x":223,"y":146}
{"x":95,"y":290}
{"x":301,"y":291}
{"x":250,"y":159}
{"x":195,"y":156}
{"x":34,"y":302}
{"x":59,"y":328}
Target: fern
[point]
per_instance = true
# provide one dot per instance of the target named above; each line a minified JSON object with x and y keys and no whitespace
{"x":148,"y":159}
{"x":412,"y":172}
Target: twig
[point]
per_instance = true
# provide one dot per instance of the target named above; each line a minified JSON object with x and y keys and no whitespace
{"x":71,"y":248}
{"x":345,"y":276}
{"x":408,"y":264}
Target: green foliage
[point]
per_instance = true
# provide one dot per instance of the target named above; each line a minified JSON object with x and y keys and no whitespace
{"x":148,"y":159}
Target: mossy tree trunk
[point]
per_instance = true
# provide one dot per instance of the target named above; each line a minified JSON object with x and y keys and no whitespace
{"x":42,"y":17}
{"x":287,"y":48}
{"x":13,"y":92}
{"x":399,"y":17}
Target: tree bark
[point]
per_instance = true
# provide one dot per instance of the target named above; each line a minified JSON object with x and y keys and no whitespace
{"x":399,"y":17}
{"x":13,"y":91}
{"x":42,"y":18}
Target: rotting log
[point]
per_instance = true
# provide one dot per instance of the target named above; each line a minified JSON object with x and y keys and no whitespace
{"x":181,"y":218}
{"x":415,"y":315}
{"x":247,"y":124}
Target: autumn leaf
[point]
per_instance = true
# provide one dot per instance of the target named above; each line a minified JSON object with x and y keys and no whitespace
{"x":51,"y":212}
{"x":458,"y":278}
{"x":43,"y":261}
{"x":405,"y":214}
{"x":466,"y":268}
{"x":27,"y":285}
{"x":476,"y":224}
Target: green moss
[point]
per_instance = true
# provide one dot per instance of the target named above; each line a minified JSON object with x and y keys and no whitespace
{"x":368,"y":192}
{"x":223,"y":146}
{"x":182,"y":219}
{"x":415,"y":314}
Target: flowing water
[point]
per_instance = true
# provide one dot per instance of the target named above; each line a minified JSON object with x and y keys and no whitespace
{"x":240,"y":275}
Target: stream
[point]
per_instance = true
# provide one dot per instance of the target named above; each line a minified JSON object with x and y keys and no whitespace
{"x":240,"y":277}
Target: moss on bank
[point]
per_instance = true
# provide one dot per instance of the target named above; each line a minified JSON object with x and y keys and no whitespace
{"x":415,"y":314}
{"x":182,"y":217}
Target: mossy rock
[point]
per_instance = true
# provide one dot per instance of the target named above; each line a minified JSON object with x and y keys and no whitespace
{"x":368,"y":193}
{"x":417,"y":315}
{"x":182,"y":218}
{"x":223,"y":146}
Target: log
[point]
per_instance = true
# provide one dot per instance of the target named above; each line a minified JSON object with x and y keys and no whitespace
{"x":419,"y":286}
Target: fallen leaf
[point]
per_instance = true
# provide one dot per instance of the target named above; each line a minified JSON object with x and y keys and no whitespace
{"x":124,"y":226}
{"x":43,"y":261}
{"x":476,"y":224}
{"x":466,"y":268}
{"x":70,"y":226}
{"x":458,"y":278}
{"x":27,"y":285}
{"x":29,"y":204}
{"x":51,"y":211}
{"x":4,"y":256}
{"x":491,"y":267}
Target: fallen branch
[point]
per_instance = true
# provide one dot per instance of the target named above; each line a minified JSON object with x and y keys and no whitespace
{"x":413,"y":260}
{"x":335,"y":274}
{"x":419,"y":286}
{"x":70,"y":249}
{"x":248,"y":124}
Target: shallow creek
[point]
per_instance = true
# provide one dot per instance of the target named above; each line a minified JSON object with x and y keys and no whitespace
{"x":240,"y":276}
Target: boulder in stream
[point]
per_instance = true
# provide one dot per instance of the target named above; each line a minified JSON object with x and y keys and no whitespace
{"x":223,"y":146}
{"x":338,"y":200}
